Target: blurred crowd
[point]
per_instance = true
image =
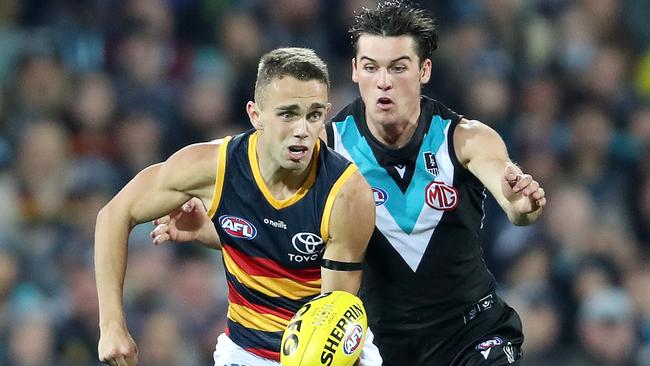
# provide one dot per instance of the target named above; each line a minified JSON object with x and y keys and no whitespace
{"x":92,"y":91}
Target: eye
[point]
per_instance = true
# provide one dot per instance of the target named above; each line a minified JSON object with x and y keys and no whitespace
{"x":370,"y":67}
{"x":286,"y":115}
{"x":314,"y":116}
{"x":399,"y":68}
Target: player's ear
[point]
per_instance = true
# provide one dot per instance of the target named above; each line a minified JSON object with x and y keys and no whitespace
{"x":252,"y":109}
{"x":355,"y":76}
{"x":425,"y":71}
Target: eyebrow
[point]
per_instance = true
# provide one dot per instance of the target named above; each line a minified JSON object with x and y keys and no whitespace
{"x":295,"y":107}
{"x":405,"y":57}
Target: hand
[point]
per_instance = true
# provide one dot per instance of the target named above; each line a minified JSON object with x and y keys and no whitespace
{"x":117,"y":348}
{"x":523,"y":192}
{"x":188,"y":222}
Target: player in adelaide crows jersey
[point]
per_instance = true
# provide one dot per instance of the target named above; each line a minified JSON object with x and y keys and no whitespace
{"x":292,"y":217}
{"x":429,"y":296}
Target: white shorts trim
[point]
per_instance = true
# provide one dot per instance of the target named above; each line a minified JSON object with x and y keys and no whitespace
{"x":228,"y":353}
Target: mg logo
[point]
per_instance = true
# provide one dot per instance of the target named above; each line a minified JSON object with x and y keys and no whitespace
{"x":440,"y":196}
{"x":381,"y":196}
{"x":353,"y":339}
{"x":237,"y":227}
{"x":307,"y":243}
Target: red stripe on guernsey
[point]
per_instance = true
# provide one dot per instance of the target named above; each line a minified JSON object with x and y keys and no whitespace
{"x":265,"y":353}
{"x":236,"y":298}
{"x":256,"y":266}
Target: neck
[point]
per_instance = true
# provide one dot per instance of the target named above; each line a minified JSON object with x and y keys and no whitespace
{"x":395,"y":134}
{"x":281,"y":182}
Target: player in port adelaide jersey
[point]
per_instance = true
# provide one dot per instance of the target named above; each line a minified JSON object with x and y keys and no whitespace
{"x":429,"y":296}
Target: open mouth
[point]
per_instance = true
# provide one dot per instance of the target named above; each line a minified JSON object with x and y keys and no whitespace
{"x":297,"y":152}
{"x":385,"y":103}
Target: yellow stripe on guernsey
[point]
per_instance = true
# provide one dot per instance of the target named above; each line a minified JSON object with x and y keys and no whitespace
{"x":276,"y":203}
{"x":272,"y":286}
{"x":251,"y":319}
{"x":325,"y":221}
{"x":219,"y":176}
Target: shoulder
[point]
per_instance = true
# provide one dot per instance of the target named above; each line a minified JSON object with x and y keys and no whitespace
{"x":192,"y":166}
{"x":355,"y":194}
{"x":473,"y":138}
{"x":470,"y":128}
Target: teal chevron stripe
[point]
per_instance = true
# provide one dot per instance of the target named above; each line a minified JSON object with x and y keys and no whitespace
{"x":404,"y":207}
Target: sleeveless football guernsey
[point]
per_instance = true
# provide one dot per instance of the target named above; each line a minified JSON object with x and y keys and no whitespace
{"x":424,"y":263}
{"x":272,"y":249}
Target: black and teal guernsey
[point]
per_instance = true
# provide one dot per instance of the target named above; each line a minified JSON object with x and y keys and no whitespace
{"x":424,"y":262}
{"x":272,"y":249}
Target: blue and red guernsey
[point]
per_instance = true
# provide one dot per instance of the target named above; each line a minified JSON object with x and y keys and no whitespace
{"x":272,"y":249}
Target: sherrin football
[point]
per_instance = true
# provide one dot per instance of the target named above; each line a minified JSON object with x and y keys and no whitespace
{"x":329,"y":330}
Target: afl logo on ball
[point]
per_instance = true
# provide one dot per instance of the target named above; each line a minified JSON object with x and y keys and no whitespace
{"x":353,"y":339}
{"x":440,"y":196}
{"x":237,"y":227}
{"x":307,"y":243}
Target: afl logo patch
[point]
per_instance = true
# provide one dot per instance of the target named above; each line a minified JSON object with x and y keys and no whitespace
{"x":307,"y":243}
{"x":492,"y":342}
{"x":237,"y":227}
{"x":353,"y":339}
{"x":381,"y":196}
{"x":440,"y":196}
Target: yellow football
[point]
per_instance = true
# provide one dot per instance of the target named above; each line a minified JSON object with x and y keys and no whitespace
{"x":329,"y":330}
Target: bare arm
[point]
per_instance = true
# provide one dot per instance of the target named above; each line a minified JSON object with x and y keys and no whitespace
{"x":351,"y":225}
{"x":483,"y":152}
{"x":156,"y":190}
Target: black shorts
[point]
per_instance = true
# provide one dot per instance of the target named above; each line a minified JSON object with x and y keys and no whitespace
{"x":493,"y":338}
{"x":502,"y":346}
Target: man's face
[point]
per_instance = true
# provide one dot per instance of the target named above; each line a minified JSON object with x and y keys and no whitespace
{"x":292,"y":117}
{"x":389,"y":75}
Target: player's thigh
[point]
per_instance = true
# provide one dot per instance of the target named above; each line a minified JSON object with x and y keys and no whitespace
{"x":493,"y":350}
{"x":227,"y":353}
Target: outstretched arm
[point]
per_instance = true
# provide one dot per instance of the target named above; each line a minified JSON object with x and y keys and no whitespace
{"x":155,"y":191}
{"x":351,"y":224}
{"x":483,"y":152}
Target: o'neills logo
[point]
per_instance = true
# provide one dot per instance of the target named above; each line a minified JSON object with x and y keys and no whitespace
{"x":440,"y":196}
{"x":237,"y":227}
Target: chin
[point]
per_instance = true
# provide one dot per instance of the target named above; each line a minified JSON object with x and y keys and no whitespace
{"x":295,"y":166}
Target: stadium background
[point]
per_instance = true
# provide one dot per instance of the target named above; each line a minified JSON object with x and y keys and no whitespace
{"x":92,"y":91}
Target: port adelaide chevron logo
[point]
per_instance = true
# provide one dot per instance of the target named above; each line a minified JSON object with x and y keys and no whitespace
{"x":430,"y":162}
